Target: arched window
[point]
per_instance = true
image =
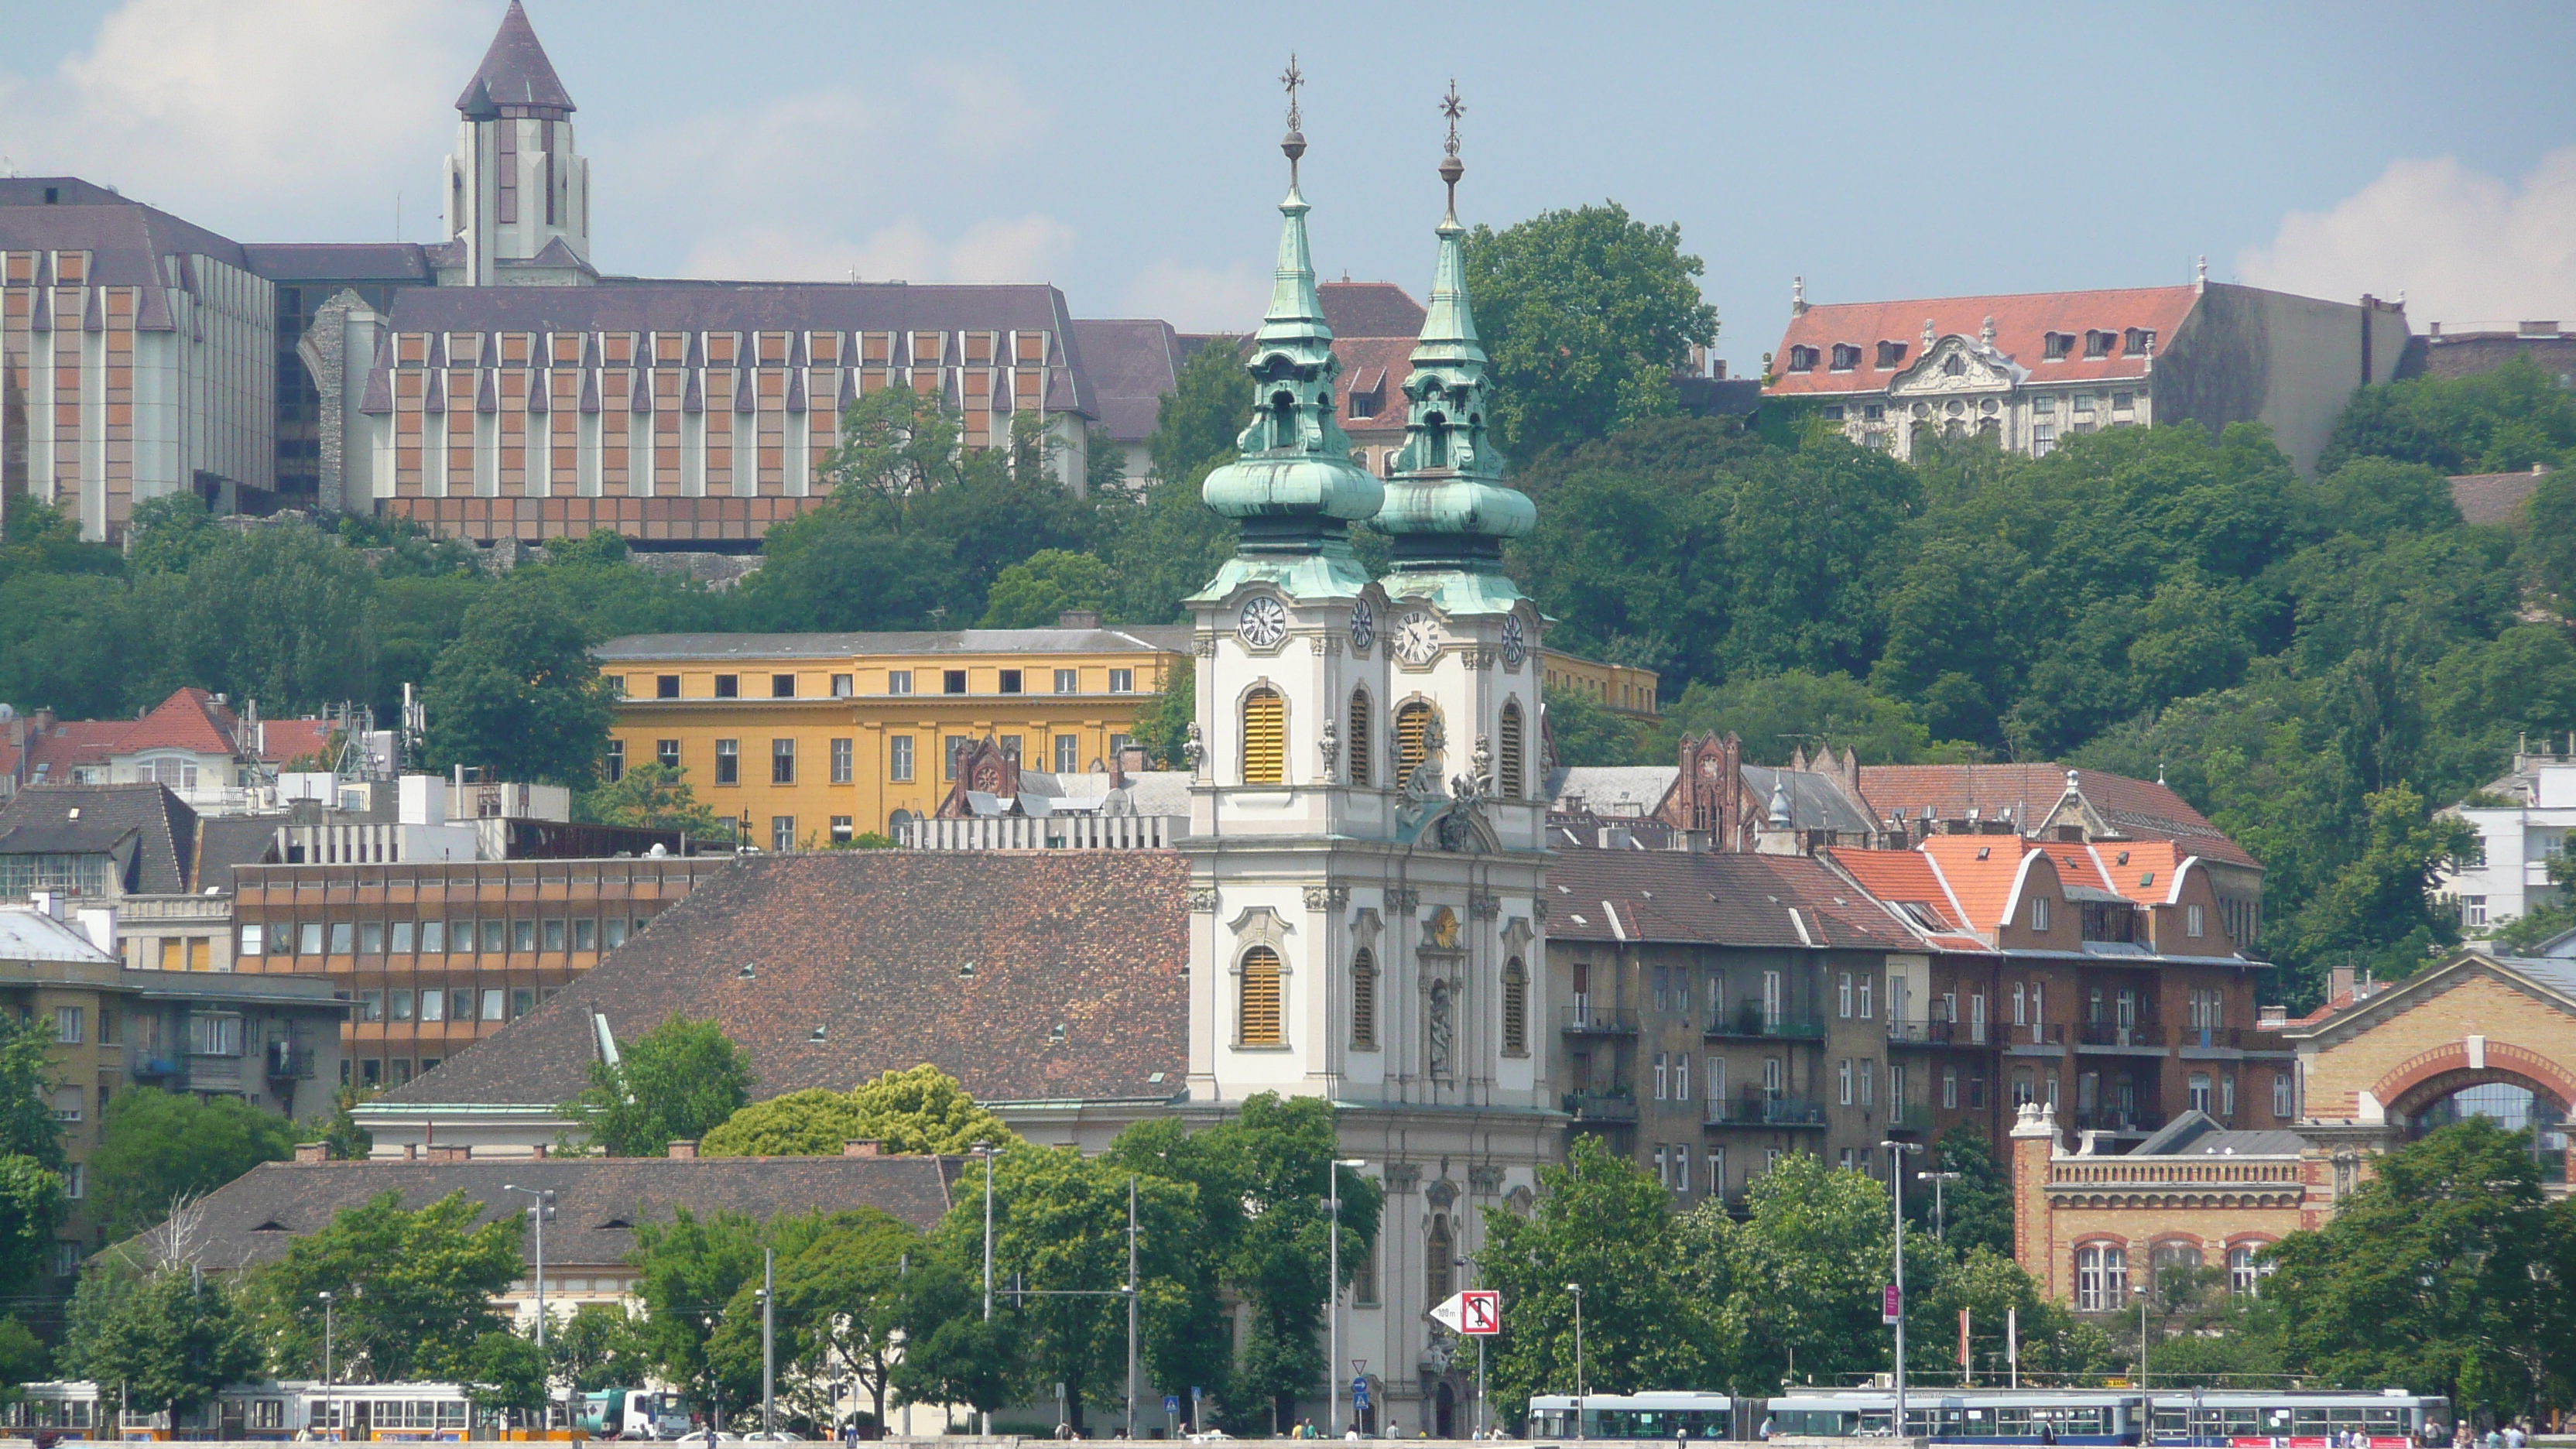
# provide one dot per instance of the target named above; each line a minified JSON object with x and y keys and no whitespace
{"x":2182,"y":1259}
{"x":1362,"y":756}
{"x":1438,"y":1260}
{"x":1436,"y":431}
{"x":1509,"y":758}
{"x":1265,"y":738}
{"x":2246,"y":1270}
{"x":2101,"y":1277}
{"x":1412,"y":739}
{"x":1257,"y":1019}
{"x":1515,"y":1008}
{"x":1283,"y":420}
{"x":1364,"y":1000}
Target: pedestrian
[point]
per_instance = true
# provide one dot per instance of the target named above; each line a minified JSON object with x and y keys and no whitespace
{"x":1764,"y":1433}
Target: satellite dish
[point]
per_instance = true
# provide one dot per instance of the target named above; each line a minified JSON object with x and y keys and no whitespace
{"x":7,"y":714}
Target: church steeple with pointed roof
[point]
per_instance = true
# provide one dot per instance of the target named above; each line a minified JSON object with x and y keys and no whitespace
{"x":518,"y":196}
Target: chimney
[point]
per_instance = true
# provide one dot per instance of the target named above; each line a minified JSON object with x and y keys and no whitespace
{"x":2271,"y":1018}
{"x":2338,"y":983}
{"x":862,"y":1149}
{"x":685,"y":1149}
{"x":411,"y":1152}
{"x":2034,"y":1143}
{"x":99,"y":924}
{"x":46,"y":903}
{"x":1078,"y":619}
{"x":537,"y":1151}
{"x":312,"y":1152}
{"x":448,"y":1152}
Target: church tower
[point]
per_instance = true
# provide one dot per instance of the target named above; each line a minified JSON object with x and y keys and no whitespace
{"x":1366,"y":845}
{"x":518,"y":195}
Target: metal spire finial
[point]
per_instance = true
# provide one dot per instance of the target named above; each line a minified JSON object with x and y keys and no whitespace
{"x":1451,"y":168}
{"x":1292,"y":78}
{"x":1453,"y":108}
{"x":1293,"y":145}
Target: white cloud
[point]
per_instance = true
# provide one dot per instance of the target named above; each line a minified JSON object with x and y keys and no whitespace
{"x":2462,"y":245}
{"x":1197,"y":298}
{"x":1004,"y":249}
{"x":253,"y":114}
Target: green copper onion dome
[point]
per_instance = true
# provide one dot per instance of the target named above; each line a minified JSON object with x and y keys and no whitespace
{"x":1295,"y":488}
{"x":1448,"y":508}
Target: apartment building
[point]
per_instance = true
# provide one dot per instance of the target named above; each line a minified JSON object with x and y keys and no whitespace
{"x":275,"y":1044}
{"x":2525,"y":821}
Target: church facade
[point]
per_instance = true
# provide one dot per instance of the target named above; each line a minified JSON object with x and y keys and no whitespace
{"x":1367,"y":837}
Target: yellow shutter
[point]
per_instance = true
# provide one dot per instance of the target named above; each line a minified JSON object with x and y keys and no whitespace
{"x":1364,"y":999}
{"x":1412,"y":738}
{"x":1260,"y":1014}
{"x":1265,"y":739}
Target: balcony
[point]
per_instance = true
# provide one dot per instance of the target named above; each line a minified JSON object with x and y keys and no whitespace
{"x":2139,"y":1034}
{"x":1915,"y":1118}
{"x":1921,"y":1033}
{"x":1753,"y":1023}
{"x":1619,"y":1104}
{"x":2117,"y":1119}
{"x":1596,"y":1021}
{"x":289,"y":1061}
{"x":2231,"y":1039}
{"x":152,"y":1066}
{"x":1764,"y":1111}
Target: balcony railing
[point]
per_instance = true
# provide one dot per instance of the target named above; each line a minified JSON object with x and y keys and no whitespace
{"x":1755,"y":1023}
{"x":2112,"y":1034}
{"x":1764,"y":1111}
{"x":1921,"y":1033}
{"x":289,"y":1060}
{"x":1914,"y":1117}
{"x":2238,"y":1038}
{"x":2116,"y":1119}
{"x":1619,"y":1105}
{"x":153,"y":1064}
{"x":1596,"y":1021}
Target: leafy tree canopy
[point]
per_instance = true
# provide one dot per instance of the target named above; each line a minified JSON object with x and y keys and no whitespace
{"x":1198,"y":420}
{"x":651,"y":796}
{"x":919,"y":1110}
{"x":411,"y":1290}
{"x":1585,"y":730}
{"x":517,"y":693}
{"x":156,"y":1147}
{"x":682,"y":1079}
{"x":1778,"y":714}
{"x":2494,"y":422}
{"x":170,"y":1337}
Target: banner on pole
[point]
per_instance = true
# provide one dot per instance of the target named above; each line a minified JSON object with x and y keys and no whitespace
{"x":1891,"y":1305}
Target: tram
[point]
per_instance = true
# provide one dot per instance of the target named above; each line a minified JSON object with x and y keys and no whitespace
{"x":1678,"y":1414}
{"x":2275,"y":1419}
{"x":273,"y":1409}
{"x":2184,"y":1418}
{"x":1964,"y":1416}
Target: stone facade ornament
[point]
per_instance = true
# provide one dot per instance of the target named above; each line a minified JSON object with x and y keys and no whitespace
{"x":1484,"y":1179}
{"x":1538,"y":908}
{"x":1403,"y":1176}
{"x":1484,"y":905}
{"x":1202,"y":899}
{"x":1441,"y":1194}
{"x":1520,"y":1200}
{"x":1193,"y":749}
{"x":1331,"y":748}
{"x":1204,"y":646}
{"x":1403,"y":900}
{"x":1327,"y":898}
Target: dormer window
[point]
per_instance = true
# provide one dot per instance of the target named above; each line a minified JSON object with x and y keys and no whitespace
{"x":2137,"y":342}
{"x":1891,"y":355}
{"x":1846,"y":357}
{"x":2055,"y":346}
{"x":1802,"y":359}
{"x":2097,"y":342}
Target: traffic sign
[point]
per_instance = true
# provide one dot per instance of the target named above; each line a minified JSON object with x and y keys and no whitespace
{"x":1359,"y":1394}
{"x":1891,"y":1304}
{"x":1477,"y":1312}
{"x":1171,"y":1403}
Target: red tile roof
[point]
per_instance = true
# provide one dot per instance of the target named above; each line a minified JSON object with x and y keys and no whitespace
{"x":1902,"y":877}
{"x":2021,"y":323}
{"x":190,"y":719}
{"x":285,"y":740}
{"x":1370,"y":309}
{"x":1376,"y":365}
{"x":2141,"y":808}
{"x":1980,"y":871}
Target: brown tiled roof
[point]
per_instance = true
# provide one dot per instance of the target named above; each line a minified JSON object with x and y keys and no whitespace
{"x":70,"y":743}
{"x":1377,"y":365}
{"x":340,"y":261}
{"x":128,"y":244}
{"x":2492,"y":497}
{"x":1735,"y":900}
{"x":2021,"y":323}
{"x":190,"y":719}
{"x":1900,"y":877}
{"x":832,"y":968}
{"x":2134,"y":807}
{"x":282,"y":740}
{"x":1370,"y":309}
{"x":599,"y":1201}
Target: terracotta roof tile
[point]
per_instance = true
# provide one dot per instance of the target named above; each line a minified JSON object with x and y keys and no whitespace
{"x":1370,"y":309}
{"x":865,"y":962}
{"x":1980,"y":870}
{"x":2136,"y":807}
{"x":1902,"y":877}
{"x":190,"y":719}
{"x":2021,"y":323}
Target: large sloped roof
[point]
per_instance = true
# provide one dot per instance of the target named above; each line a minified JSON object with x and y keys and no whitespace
{"x":599,"y":1202}
{"x":1028,"y":976}
{"x":1370,"y":309}
{"x":2135,"y":807}
{"x":1734,"y":900}
{"x":2021,"y":326}
{"x":515,"y":72}
{"x":150,"y":832}
{"x":1132,"y":363}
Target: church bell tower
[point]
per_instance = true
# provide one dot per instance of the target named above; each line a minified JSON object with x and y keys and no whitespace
{"x":518,"y":195}
{"x":1367,"y":844}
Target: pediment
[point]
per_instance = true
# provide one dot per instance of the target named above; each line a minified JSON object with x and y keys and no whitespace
{"x":1957,"y":365}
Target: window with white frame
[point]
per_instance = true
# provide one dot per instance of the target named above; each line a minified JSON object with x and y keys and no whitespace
{"x":2101,"y":1277}
{"x":1949,"y":1086}
{"x":1868,"y":1081}
{"x":2195,"y":920}
{"x":1843,"y":1080}
{"x":2281,"y":1095}
{"x":1865,"y":984}
{"x":1844,"y":996}
{"x":2039,"y":913}
{"x":2200,"y":1100}
{"x":2246,"y":1269}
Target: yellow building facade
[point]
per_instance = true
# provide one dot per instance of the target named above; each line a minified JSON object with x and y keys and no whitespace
{"x":807,"y":739}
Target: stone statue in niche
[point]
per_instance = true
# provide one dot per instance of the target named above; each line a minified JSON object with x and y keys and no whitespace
{"x":1440,"y":1030}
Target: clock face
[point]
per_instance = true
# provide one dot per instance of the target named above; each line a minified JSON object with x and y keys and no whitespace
{"x":1363,"y":626}
{"x":1515,"y":643}
{"x":1417,"y":638}
{"x":1263,"y":624}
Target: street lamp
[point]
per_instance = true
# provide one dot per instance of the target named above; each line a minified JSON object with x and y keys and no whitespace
{"x":1577,"y":1290}
{"x":2146,"y":1401}
{"x":326,"y":1338}
{"x":984,"y":1150}
{"x":542,"y":1208}
{"x":1333,"y":1316}
{"x":1896,"y":1181}
{"x":1936,"y":1179}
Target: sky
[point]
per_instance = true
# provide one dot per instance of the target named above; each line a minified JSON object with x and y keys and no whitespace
{"x":1129,"y":154}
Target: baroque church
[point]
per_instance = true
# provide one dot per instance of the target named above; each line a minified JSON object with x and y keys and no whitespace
{"x":1367,"y":838}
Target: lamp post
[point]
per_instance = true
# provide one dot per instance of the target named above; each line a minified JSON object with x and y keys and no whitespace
{"x":1936,"y":1179}
{"x":1333,"y":1311}
{"x":1896,"y":1182}
{"x":326,"y":1338}
{"x":768,"y":1342}
{"x":984,"y":1150}
{"x":2146,"y":1404}
{"x":1577,"y":1290}
{"x":541,"y":1207}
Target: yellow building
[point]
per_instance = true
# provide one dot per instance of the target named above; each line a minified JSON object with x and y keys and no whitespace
{"x":810,"y":738}
{"x":807,"y":739}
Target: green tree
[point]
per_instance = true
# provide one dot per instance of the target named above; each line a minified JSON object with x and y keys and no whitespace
{"x":839,"y":1283}
{"x":28,"y":1127}
{"x":2493,"y":422}
{"x":952,"y":1353}
{"x":1601,"y":1223}
{"x":2549,"y":538}
{"x":412,"y":1289}
{"x":601,"y":1346}
{"x":920,"y":1110}
{"x":1587,"y":732}
{"x":517,"y":693}
{"x":342,"y":1137}
{"x":688,"y":1271}
{"x":171,"y":1337}
{"x":504,"y":1371}
{"x":682,"y":1079}
{"x":1977,"y":1210}
{"x":157,"y":1147}
{"x":23,"y":1358}
{"x":1777,"y":714}
{"x":1163,"y":722}
{"x":652,"y":796}
{"x":1197,"y":422}
{"x":276,"y":613}
{"x":169,"y":533}
{"x":1586,"y":314}
{"x":32,"y":1207}
{"x":2447,"y":1269}
{"x":1170,"y":546}
{"x":1806,"y":1268}
{"x":1031,"y":594}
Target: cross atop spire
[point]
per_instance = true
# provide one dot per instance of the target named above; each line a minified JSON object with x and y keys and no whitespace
{"x":1293,"y":145}
{"x":1292,"y":78}
{"x":1451,"y":168}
